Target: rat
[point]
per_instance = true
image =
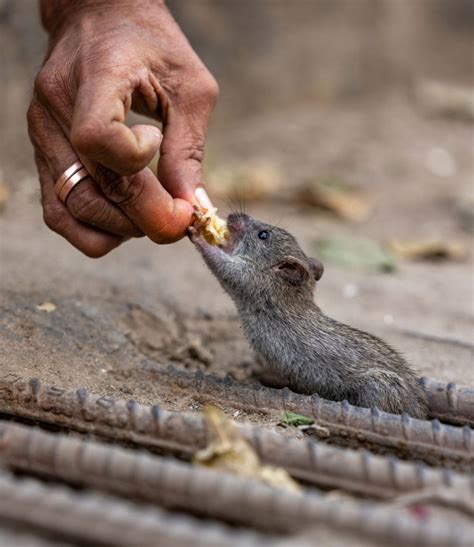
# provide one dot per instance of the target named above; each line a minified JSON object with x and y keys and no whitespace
{"x":271,"y":281}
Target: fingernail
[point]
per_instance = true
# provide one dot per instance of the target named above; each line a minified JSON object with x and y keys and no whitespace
{"x":152,"y":131}
{"x":203,"y":198}
{"x":158,"y":134}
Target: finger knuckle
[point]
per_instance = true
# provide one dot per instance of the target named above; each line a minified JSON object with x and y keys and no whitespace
{"x":136,"y":161}
{"x":46,"y":82}
{"x":121,"y":190}
{"x":210,"y":89}
{"x":88,"y":136}
{"x":195,"y":151}
{"x":203,"y":89}
{"x":54,"y":218}
{"x":84,"y":205}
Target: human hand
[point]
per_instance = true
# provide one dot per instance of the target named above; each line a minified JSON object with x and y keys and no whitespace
{"x":105,"y":58}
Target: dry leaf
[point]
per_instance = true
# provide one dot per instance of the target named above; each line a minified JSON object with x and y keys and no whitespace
{"x":48,"y":307}
{"x":4,"y":196}
{"x":228,"y":450}
{"x":427,"y":250}
{"x":355,"y":253}
{"x":345,"y":203}
{"x":446,"y":99}
{"x":251,"y":182}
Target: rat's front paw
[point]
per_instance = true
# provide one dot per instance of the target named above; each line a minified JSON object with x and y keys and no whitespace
{"x":192,"y":233}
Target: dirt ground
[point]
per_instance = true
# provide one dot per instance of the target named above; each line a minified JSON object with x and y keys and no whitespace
{"x":146,"y":304}
{"x":314,"y":108}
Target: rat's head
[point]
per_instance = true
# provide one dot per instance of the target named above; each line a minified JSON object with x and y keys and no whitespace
{"x":261,"y":260}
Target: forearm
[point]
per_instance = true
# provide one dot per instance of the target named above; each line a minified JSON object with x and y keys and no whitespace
{"x":54,"y":12}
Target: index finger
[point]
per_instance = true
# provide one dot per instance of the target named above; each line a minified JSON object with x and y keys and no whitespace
{"x":98,"y":130}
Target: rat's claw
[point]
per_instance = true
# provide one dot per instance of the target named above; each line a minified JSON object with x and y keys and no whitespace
{"x":192,"y":232}
{"x":197,"y":213}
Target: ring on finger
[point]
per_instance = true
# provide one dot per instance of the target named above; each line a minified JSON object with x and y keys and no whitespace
{"x":66,"y":182}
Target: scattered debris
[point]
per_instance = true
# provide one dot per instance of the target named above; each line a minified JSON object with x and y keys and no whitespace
{"x":48,"y":307}
{"x":251,"y":182}
{"x":427,"y":250}
{"x":195,"y":350}
{"x":358,"y":253}
{"x":292,"y":419}
{"x":346,"y":203}
{"x":453,"y":499}
{"x":228,"y":450}
{"x":444,"y":99}
{"x":315,"y":430}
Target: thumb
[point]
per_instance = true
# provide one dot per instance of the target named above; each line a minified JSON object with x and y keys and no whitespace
{"x":182,"y":149}
{"x":99,"y":133}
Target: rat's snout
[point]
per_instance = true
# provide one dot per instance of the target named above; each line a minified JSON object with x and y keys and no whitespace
{"x":237,"y":223}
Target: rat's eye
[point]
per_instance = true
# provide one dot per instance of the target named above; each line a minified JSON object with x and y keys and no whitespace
{"x":263,"y":234}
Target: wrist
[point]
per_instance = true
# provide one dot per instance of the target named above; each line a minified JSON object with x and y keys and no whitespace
{"x":55,"y":13}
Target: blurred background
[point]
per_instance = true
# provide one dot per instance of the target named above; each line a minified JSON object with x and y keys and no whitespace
{"x":348,"y":122}
{"x":314,"y":89}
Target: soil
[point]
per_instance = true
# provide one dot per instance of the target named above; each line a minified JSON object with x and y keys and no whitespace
{"x":148,"y":304}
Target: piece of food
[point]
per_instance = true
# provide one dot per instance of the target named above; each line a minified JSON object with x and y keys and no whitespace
{"x":213,"y":228}
{"x":229,"y":451}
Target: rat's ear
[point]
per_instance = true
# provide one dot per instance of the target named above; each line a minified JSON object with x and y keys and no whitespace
{"x":294,"y":270}
{"x":317,"y":268}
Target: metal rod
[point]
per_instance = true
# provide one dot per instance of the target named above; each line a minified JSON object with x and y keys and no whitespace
{"x":450,"y":402}
{"x":107,"y":521}
{"x":213,"y":494}
{"x":318,"y":463}
{"x":433,"y":442}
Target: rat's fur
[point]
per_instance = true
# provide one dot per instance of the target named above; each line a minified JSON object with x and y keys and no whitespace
{"x":271,"y":282}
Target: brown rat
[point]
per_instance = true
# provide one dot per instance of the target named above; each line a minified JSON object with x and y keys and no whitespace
{"x":271,"y":281}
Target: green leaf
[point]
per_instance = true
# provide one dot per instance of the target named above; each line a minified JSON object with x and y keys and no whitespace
{"x":356,"y":253}
{"x":294,"y":420}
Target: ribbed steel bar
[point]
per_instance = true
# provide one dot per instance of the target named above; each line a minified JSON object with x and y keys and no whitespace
{"x":433,"y":442}
{"x":153,"y":427}
{"x":213,"y":494}
{"x":450,"y":402}
{"x":103,"y":520}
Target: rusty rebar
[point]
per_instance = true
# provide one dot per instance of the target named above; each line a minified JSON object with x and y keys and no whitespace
{"x":156,"y":428}
{"x":207,"y":492}
{"x":450,"y":402}
{"x":433,"y":442}
{"x":108,"y":521}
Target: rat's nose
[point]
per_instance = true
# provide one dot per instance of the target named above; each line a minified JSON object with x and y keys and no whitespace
{"x":237,"y":222}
